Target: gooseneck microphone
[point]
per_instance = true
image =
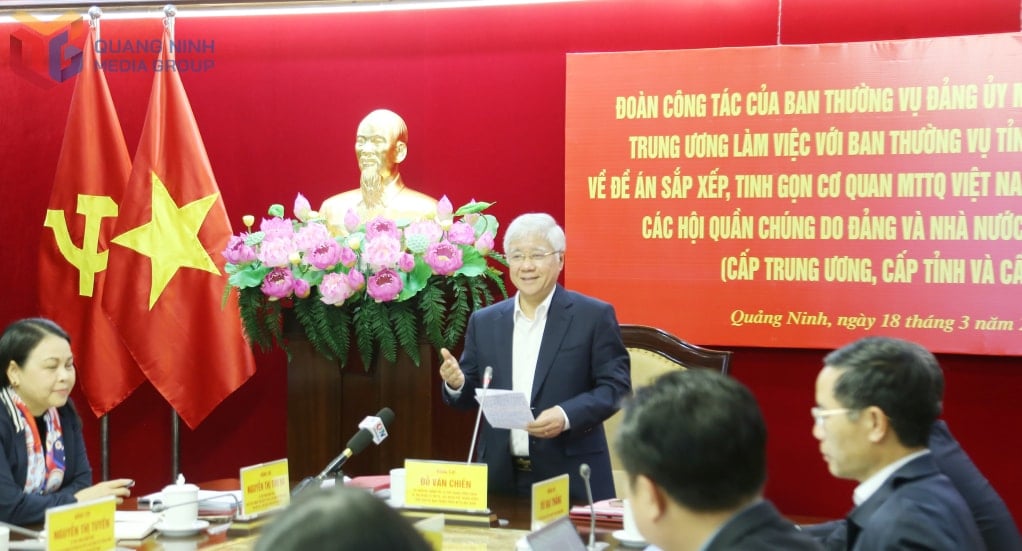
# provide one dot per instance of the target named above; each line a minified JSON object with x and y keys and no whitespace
{"x":371,"y":429}
{"x":487,"y":377}
{"x":160,"y":507}
{"x":585,"y":472}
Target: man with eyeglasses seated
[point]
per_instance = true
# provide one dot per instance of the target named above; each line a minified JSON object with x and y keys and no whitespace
{"x":877,"y":400}
{"x":563,"y":350}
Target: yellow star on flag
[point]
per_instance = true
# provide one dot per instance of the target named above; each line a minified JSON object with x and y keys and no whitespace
{"x":171,"y":238}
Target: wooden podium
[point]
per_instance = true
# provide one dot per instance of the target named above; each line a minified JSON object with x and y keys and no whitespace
{"x":325,"y":404}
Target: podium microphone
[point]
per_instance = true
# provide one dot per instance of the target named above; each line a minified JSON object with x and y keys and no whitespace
{"x":487,"y":377}
{"x":371,"y":429}
{"x":585,"y":471}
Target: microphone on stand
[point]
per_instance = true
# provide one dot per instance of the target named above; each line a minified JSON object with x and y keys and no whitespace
{"x":371,"y":429}
{"x":487,"y":377}
{"x":585,"y":471}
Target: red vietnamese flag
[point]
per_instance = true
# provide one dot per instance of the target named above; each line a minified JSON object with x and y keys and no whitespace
{"x":92,"y":172}
{"x":166,"y":262}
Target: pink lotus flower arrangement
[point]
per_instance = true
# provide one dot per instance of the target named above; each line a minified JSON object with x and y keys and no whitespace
{"x":387,"y":282}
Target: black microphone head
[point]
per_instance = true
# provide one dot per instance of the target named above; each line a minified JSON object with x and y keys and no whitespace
{"x":584,"y":470}
{"x":360,"y":441}
{"x":386,"y":415}
{"x":364,"y":437}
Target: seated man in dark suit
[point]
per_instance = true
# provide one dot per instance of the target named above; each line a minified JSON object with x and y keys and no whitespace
{"x":995,"y":522}
{"x":694,"y":446}
{"x":996,"y":525}
{"x":877,"y":400}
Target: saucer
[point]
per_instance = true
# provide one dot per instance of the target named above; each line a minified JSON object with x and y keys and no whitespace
{"x":627,"y":540}
{"x":178,"y":531}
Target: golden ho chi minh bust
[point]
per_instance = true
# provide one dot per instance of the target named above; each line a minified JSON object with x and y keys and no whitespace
{"x":380,"y":147}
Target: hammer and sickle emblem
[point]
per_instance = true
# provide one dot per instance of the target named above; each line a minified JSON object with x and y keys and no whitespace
{"x":88,"y":258}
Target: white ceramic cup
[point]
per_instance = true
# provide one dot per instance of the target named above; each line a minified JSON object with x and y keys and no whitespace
{"x":397,"y":487}
{"x":181,"y":506}
{"x":5,"y":538}
{"x":631,"y":530}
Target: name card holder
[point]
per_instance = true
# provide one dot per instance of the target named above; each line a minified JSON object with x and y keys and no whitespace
{"x":549,"y":501}
{"x":87,"y":526}
{"x":456,"y":489}
{"x":265,"y":488}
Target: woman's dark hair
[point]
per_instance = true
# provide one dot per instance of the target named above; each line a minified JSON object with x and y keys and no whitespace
{"x":20,"y":339}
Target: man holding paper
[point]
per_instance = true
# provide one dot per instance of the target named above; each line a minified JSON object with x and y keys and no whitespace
{"x":563,"y":350}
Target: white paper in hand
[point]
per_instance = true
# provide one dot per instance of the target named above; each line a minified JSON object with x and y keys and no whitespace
{"x":505,"y":409}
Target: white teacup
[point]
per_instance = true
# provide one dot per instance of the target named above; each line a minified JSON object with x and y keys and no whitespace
{"x":397,"y":487}
{"x":181,"y":507}
{"x":630,"y":529}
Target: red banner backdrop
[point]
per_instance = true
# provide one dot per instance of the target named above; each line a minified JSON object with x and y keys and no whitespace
{"x":798,"y":196}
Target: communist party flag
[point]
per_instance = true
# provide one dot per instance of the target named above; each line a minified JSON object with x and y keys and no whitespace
{"x":166,"y":262}
{"x":91,"y":175}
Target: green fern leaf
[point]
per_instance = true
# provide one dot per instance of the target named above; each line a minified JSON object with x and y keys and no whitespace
{"x":364,"y":337}
{"x":431,"y":306}
{"x":402,"y":318}
{"x":338,"y":318}
{"x":457,"y":314}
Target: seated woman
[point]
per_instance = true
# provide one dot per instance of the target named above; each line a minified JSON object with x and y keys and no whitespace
{"x":42,"y":452}
{"x":340,"y":519}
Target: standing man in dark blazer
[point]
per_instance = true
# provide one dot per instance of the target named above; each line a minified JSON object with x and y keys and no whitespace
{"x":563,"y":350}
{"x":694,"y":445}
{"x":876,"y":401}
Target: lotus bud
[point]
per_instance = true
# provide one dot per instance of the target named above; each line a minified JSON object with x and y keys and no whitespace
{"x":302,"y":207}
{"x":248,"y":220}
{"x":444,"y":210}
{"x":351,"y":220}
{"x":302,"y":288}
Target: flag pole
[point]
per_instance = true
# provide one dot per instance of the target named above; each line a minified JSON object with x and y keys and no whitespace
{"x":175,"y":440}
{"x":169,"y":12}
{"x":104,"y":444}
{"x":104,"y":420}
{"x":94,"y":14}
